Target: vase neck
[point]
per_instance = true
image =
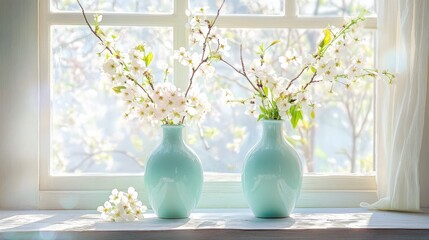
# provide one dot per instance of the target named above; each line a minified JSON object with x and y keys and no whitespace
{"x":172,"y":134}
{"x":272,"y":131}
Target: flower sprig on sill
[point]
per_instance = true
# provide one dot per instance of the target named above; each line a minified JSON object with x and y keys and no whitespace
{"x":122,"y":206}
{"x":160,"y":102}
{"x":276,"y":98}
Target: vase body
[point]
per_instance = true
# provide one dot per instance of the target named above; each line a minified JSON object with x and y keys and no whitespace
{"x":173,"y":176}
{"x":272,"y":174}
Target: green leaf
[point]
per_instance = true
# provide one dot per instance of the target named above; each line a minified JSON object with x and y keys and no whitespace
{"x":313,"y":69}
{"x":118,"y":89}
{"x":312,"y":114}
{"x":260,"y":94}
{"x":263,"y":110}
{"x":117,"y":54}
{"x":148,"y":59}
{"x":268,"y":94}
{"x":326,"y":40}
{"x":274,"y":103}
{"x":273,"y":43}
{"x":266,"y":90}
{"x":215,"y":56}
{"x":296,"y":115}
{"x":126,"y":68}
{"x":140,"y":48}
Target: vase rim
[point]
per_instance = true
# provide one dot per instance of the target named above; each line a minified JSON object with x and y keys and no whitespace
{"x":272,"y":121}
{"x":172,"y":126}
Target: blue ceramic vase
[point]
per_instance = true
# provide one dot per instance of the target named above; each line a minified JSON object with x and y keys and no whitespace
{"x":272,"y":174}
{"x":173,"y":176}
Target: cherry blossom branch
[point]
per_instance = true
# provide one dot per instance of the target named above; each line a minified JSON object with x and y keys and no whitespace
{"x":204,"y":59}
{"x":311,"y":81}
{"x":210,"y":29}
{"x":243,"y":71}
{"x":112,"y":51}
{"x":340,"y":33}
{"x":241,"y":85}
{"x":295,"y":78}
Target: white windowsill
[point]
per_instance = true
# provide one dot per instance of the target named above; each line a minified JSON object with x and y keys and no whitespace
{"x":317,"y":223}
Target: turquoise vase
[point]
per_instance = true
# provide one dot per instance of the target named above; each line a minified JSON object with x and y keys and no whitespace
{"x":272,"y":174}
{"x":174,"y":176}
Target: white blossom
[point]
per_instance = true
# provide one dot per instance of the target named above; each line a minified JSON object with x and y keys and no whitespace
{"x":110,"y":66}
{"x":116,"y":196}
{"x":251,"y":108}
{"x":308,"y":60}
{"x":128,"y":94}
{"x":224,"y":47}
{"x":181,"y":55}
{"x":122,"y":207}
{"x":207,"y":70}
{"x":137,"y":66}
{"x":105,"y":210}
{"x":136,"y":55}
{"x":290,"y":58}
{"x":120,"y":77}
{"x":283,"y":105}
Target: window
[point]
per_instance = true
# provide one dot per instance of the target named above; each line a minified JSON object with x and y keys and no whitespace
{"x":87,"y":148}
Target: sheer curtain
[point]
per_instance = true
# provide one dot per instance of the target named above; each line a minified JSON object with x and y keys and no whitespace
{"x":403,"y":49}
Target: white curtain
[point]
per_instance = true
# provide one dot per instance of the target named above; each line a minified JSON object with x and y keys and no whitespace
{"x":403,"y":34}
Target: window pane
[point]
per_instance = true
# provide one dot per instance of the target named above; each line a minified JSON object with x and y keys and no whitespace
{"x":257,"y":7}
{"x":334,"y":7}
{"x":127,"y":6}
{"x":328,"y":144}
{"x":89,"y":133}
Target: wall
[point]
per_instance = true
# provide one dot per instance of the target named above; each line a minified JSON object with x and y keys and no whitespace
{"x":18,"y":104}
{"x":424,"y":157}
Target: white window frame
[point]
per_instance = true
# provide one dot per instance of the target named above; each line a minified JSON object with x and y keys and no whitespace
{"x":219,"y":190}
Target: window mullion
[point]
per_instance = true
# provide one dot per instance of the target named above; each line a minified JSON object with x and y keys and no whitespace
{"x":112,"y":19}
{"x":291,"y":8}
{"x":45,"y":93}
{"x":231,"y":21}
{"x":180,"y":33}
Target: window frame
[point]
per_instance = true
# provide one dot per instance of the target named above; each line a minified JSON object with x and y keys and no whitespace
{"x":219,"y":190}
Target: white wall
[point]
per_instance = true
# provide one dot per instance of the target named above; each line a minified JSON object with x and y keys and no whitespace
{"x":424,"y":157}
{"x":18,"y":104}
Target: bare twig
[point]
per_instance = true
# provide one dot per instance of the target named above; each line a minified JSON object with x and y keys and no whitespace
{"x":243,"y":86}
{"x":241,"y":73}
{"x":201,"y":133}
{"x":295,"y":78}
{"x":243,"y":69}
{"x":88,"y":156}
{"x":311,"y":81}
{"x":241,"y":60}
